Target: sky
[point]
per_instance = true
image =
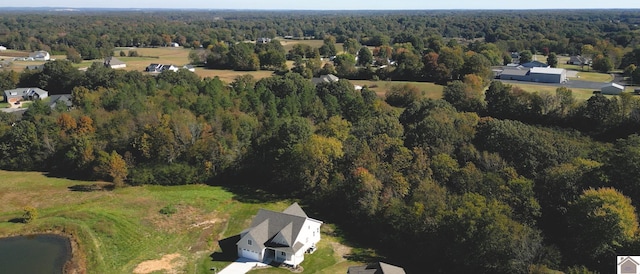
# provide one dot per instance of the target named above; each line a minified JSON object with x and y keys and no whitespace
{"x":332,"y":4}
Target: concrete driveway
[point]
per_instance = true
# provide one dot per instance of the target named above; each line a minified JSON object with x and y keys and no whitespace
{"x":241,"y":266}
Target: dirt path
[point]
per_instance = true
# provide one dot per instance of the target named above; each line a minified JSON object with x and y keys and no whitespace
{"x":171,"y":263}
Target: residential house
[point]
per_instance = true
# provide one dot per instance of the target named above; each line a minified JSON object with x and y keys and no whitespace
{"x":327,"y":78}
{"x":612,"y":89}
{"x":40,"y":55}
{"x":34,"y":67}
{"x":377,"y":268}
{"x":60,"y":99}
{"x":628,"y":266}
{"x":263,"y":40}
{"x":535,"y":64}
{"x":281,"y":237}
{"x":114,"y":63}
{"x":13,"y":96}
{"x":189,"y":68}
{"x":2,"y":48}
{"x":579,"y":60}
{"x":157,"y":68}
{"x":174,"y":44}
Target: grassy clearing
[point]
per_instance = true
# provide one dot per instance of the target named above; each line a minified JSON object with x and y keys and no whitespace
{"x":595,"y":77}
{"x":4,"y":105}
{"x":580,"y":94}
{"x":120,"y":229}
{"x":431,"y":90}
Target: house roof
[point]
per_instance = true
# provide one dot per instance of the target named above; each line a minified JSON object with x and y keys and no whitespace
{"x":325,"y":79}
{"x":515,"y":71}
{"x":376,"y":268}
{"x":112,"y":61}
{"x":286,"y":225}
{"x":24,"y":92}
{"x":535,"y":64}
{"x":54,"y":100}
{"x":547,"y":70}
{"x":578,"y":58}
{"x":34,"y":67}
{"x":620,"y":87}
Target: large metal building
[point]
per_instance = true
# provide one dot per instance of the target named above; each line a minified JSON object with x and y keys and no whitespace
{"x":548,"y":75}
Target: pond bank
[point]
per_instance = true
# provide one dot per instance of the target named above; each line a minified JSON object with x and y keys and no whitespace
{"x":46,"y":242}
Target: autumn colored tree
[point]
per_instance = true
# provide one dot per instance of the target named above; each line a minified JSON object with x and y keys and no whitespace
{"x":113,"y":167}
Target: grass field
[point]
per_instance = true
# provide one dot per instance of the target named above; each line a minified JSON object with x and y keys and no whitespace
{"x":431,"y":90}
{"x":580,"y":94}
{"x":122,"y":230}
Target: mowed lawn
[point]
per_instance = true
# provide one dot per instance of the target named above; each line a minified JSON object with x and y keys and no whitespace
{"x":123,"y":230}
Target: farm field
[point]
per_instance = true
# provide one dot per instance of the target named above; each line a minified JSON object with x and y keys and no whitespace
{"x":123,"y":231}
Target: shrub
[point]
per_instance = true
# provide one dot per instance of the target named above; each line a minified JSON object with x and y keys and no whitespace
{"x":29,"y":215}
{"x":168,"y":210}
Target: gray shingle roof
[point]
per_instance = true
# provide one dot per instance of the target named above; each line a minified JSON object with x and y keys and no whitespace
{"x":268,"y":224}
{"x":377,"y":268}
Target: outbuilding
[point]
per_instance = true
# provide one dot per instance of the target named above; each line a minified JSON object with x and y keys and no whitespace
{"x":547,"y":75}
{"x":612,"y":89}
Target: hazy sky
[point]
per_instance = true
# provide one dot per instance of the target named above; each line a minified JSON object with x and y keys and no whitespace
{"x":332,"y":4}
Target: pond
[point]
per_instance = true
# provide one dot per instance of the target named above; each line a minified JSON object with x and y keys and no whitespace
{"x":34,"y":254}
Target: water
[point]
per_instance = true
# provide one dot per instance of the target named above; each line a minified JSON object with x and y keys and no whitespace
{"x":38,"y":254}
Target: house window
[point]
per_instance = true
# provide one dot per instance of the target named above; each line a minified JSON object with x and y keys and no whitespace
{"x":283,"y":254}
{"x":249,"y":242}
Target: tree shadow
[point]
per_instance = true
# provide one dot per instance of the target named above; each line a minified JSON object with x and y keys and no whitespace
{"x":18,"y":220}
{"x":250,"y":194}
{"x":92,"y":187}
{"x":228,"y":249}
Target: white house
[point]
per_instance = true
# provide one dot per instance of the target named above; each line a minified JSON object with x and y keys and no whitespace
{"x":40,"y":55}
{"x":174,"y":44}
{"x":3,"y":48}
{"x":282,"y":237}
{"x":612,"y":89}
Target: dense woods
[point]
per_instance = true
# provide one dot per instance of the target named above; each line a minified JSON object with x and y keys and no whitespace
{"x":495,"y":181}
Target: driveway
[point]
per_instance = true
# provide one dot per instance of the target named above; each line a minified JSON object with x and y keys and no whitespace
{"x":240,"y":266}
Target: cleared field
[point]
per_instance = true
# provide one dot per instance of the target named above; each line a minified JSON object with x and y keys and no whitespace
{"x":431,"y":90}
{"x":595,"y":76}
{"x":122,"y":230}
{"x":580,"y":94}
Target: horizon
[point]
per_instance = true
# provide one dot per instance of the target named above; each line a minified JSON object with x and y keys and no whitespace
{"x":328,"y":5}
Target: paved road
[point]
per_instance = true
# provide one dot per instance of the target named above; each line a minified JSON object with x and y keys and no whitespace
{"x":569,"y":84}
{"x":240,"y":266}
{"x":617,"y":78}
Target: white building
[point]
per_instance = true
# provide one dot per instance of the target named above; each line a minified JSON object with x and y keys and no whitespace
{"x":40,"y":55}
{"x":282,"y":237}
